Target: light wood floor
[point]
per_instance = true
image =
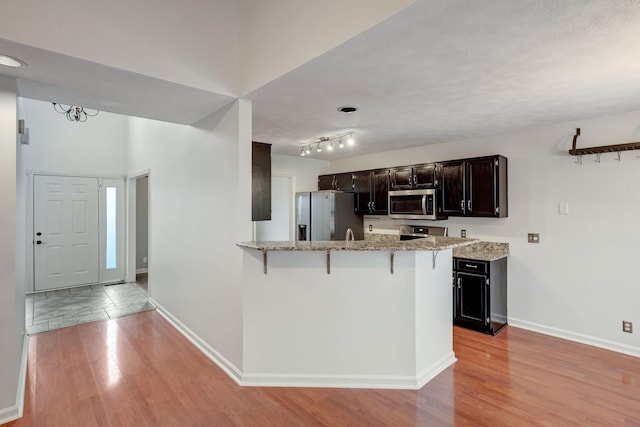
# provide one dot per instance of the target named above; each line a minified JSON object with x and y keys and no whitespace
{"x":137,"y":370}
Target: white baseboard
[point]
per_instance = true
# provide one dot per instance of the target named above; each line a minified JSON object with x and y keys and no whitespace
{"x":401,"y":382}
{"x":142,"y":270}
{"x":308,"y":380}
{"x":224,"y":364}
{"x":16,"y":411}
{"x":331,"y":381}
{"x":432,"y":371}
{"x":572,"y":336}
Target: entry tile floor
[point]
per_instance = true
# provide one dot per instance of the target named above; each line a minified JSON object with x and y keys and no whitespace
{"x":57,"y":309}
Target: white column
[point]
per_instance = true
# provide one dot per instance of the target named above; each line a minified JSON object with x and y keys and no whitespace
{"x":11,"y":298}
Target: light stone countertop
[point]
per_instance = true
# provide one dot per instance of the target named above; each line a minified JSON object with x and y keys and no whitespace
{"x":483,"y":251}
{"x":432,"y":243}
{"x":479,"y":250}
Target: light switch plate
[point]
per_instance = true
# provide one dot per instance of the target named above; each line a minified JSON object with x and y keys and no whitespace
{"x":563,"y":208}
{"x":534,"y":238}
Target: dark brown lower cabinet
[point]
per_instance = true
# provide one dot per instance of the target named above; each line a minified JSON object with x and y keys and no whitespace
{"x":480,"y":294}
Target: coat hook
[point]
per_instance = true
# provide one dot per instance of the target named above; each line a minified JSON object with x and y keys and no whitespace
{"x":618,"y":159}
{"x":597,"y":160}
{"x":579,"y":160}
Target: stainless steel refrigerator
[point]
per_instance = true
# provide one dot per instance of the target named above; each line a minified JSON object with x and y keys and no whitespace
{"x":326,"y":215}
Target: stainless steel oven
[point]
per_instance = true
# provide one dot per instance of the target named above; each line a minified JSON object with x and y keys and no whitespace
{"x":414,"y":204}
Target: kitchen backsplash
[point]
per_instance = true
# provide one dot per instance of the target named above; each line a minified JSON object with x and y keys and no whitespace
{"x":374,"y":224}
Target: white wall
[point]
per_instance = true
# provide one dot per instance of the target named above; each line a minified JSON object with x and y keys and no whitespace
{"x":306,"y":29}
{"x":11,"y":297}
{"x":142,"y":221}
{"x":581,"y":281}
{"x":200,"y":206}
{"x":191,"y":42}
{"x":95,"y":147}
{"x":304,"y":170}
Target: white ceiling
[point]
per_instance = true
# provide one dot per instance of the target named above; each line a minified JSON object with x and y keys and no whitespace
{"x":54,"y":77}
{"x":438,"y":71}
{"x":450,"y":70}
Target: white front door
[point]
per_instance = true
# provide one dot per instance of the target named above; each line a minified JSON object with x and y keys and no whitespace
{"x":65,"y":237}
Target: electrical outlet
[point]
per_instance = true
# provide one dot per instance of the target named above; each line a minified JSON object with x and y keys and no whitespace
{"x":370,"y":227}
{"x":533,"y":238}
{"x":463,"y":233}
{"x":144,"y":259}
{"x":627,"y":327}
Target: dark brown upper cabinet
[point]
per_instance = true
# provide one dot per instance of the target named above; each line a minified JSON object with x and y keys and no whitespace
{"x":340,"y":182}
{"x":260,"y":181}
{"x":474,"y":187}
{"x":372,"y":192}
{"x":414,"y":177}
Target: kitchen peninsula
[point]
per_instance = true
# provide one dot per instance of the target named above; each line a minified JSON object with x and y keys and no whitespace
{"x":348,"y":314}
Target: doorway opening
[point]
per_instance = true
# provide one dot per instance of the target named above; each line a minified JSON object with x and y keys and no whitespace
{"x":142,"y":232}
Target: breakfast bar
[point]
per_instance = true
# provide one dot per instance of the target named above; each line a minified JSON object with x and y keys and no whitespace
{"x":348,"y":314}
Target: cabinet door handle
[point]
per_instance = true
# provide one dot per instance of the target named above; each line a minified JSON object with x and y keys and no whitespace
{"x":469,"y":205}
{"x":459,"y":283}
{"x":462,"y":205}
{"x":415,"y":179}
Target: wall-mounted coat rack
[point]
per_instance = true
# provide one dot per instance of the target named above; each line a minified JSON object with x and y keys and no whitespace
{"x":600,"y":149}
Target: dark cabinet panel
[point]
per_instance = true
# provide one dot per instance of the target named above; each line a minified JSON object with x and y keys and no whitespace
{"x":425,"y":176}
{"x":344,"y":182}
{"x":480,"y":294}
{"x":260,"y":181}
{"x":452,"y":187}
{"x":413,"y":177}
{"x":380,"y":192}
{"x":325,"y":182}
{"x":475,"y":187}
{"x":341,"y":182}
{"x":472,"y":301}
{"x":363,"y":192}
{"x":401,"y":178}
{"x":372,"y":192}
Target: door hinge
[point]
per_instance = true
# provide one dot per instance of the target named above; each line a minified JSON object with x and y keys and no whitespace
{"x":487,"y":282}
{"x":497,"y":209}
{"x":488,"y":320}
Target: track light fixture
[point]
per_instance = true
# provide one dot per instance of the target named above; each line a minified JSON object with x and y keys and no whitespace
{"x":305,"y":149}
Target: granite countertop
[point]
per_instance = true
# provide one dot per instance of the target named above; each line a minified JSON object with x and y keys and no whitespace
{"x":482,"y":251}
{"x":432,"y":243}
{"x":479,"y":250}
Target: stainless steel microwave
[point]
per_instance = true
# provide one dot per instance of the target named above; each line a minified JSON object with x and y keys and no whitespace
{"x":414,"y":204}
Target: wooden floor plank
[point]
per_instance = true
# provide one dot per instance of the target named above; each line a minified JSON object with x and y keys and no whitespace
{"x":139,"y":371}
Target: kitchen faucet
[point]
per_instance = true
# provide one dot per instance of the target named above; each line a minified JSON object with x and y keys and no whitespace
{"x":349,"y":235}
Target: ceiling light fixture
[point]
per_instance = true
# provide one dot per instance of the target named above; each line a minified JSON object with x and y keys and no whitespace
{"x":74,"y":113}
{"x":328,"y":140}
{"x":348,"y":109}
{"x":10,"y":61}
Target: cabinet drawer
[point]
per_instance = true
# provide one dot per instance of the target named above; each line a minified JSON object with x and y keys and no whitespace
{"x":480,"y":267}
